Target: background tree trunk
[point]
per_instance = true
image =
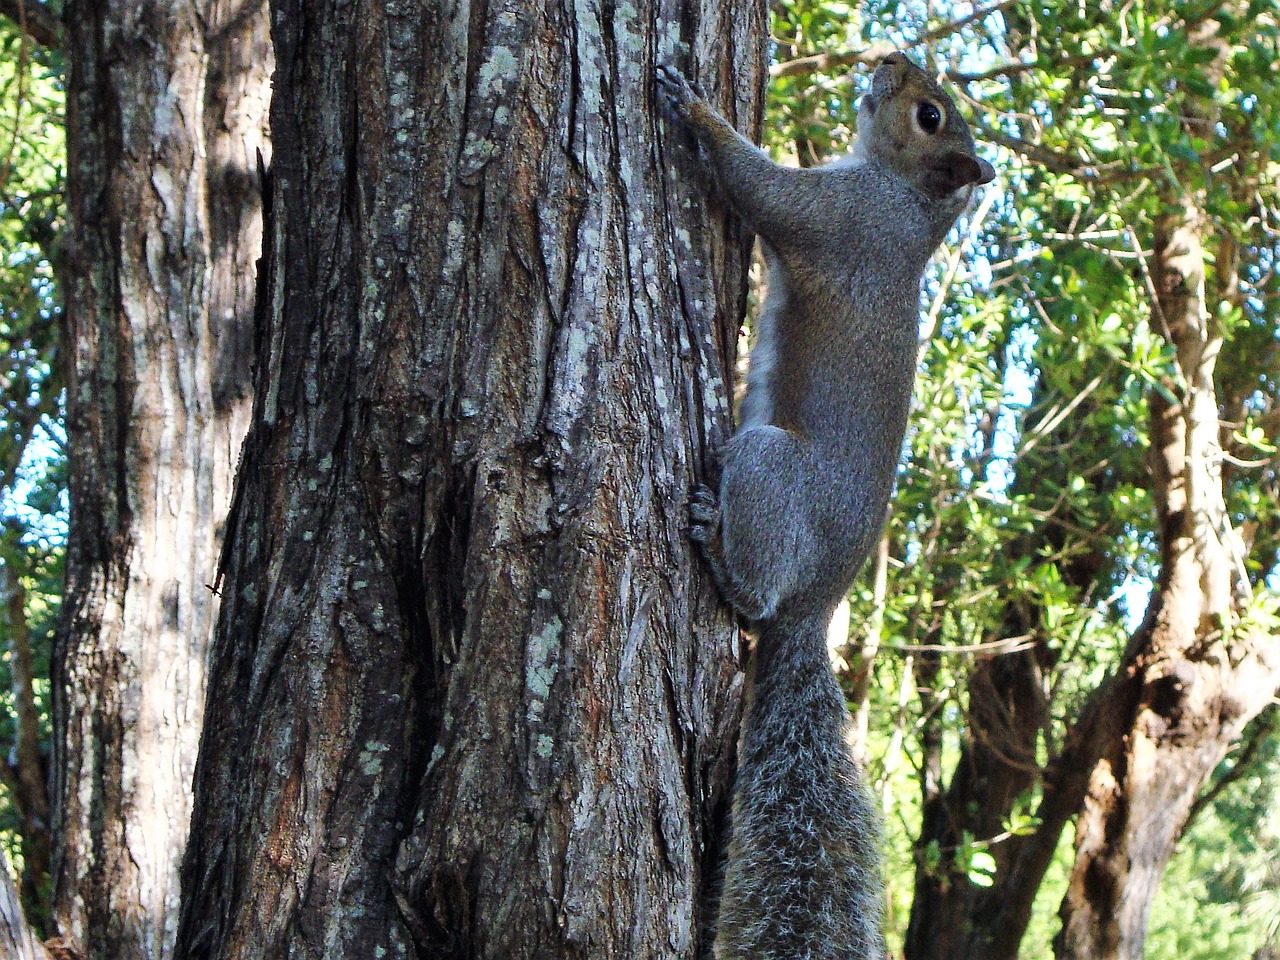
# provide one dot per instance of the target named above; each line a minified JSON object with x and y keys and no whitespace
{"x":1200,"y":673}
{"x":26,"y":779}
{"x":1202,"y":667}
{"x":483,"y":704}
{"x":166,"y":110}
{"x":1006,"y":716}
{"x":1191,"y":677}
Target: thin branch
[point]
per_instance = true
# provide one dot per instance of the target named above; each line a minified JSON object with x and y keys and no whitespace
{"x":1012,"y":69}
{"x":1051,"y":420}
{"x":828,"y":62}
{"x":953,"y":266}
{"x":995,"y":647}
{"x":24,"y":51}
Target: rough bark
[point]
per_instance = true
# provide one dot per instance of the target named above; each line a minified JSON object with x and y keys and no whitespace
{"x":1201,"y":674}
{"x":484,"y":700}
{"x":166,"y":110}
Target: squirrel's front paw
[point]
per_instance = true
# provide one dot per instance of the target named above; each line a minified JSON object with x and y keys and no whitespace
{"x":680,"y":93}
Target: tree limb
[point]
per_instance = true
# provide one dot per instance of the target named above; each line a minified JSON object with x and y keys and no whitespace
{"x":1262,"y":729}
{"x":1114,"y":171}
{"x":1011,"y":69}
{"x":41,"y":24}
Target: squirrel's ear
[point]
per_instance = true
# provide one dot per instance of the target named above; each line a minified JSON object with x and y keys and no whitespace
{"x":954,"y":170}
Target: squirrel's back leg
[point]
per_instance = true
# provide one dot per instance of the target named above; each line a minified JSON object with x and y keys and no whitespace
{"x":756,"y":535}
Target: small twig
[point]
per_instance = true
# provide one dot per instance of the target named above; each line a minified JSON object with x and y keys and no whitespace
{"x":1004,"y":645}
{"x":1156,"y":309}
{"x":1051,"y":421}
{"x":953,"y":267}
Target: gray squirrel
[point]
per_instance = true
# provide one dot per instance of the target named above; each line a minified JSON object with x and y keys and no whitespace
{"x":804,"y":483}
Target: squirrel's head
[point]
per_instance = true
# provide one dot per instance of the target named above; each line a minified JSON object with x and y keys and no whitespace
{"x":910,"y":124}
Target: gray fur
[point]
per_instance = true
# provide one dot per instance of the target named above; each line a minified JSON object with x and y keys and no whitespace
{"x":804,"y":486}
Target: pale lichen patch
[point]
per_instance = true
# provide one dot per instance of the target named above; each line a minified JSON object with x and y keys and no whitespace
{"x":541,"y":666}
{"x":370,"y":758}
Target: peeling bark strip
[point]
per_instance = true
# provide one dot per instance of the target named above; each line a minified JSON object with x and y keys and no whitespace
{"x":166,"y":112}
{"x":17,"y":940}
{"x":480,"y":701}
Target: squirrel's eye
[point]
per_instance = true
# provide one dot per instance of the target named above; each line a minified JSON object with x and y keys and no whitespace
{"x":928,"y":116}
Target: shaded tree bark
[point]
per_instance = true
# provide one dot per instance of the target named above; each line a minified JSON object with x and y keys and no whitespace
{"x":166,"y":112}
{"x":483,"y":706}
{"x":1007,"y":713}
{"x":26,"y":778}
{"x":949,"y":915}
{"x":17,"y":940}
{"x":36,"y":20}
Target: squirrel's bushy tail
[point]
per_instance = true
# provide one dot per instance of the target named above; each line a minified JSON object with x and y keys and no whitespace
{"x":802,"y":881}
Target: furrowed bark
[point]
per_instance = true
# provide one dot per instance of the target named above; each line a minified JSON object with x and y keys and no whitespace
{"x":165,"y":119}
{"x":479,"y":702}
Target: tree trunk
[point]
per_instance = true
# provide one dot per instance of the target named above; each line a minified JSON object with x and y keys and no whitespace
{"x":166,"y":112}
{"x":481,"y":701}
{"x":1201,"y":673}
{"x":950,"y":917}
{"x":1202,"y":670}
{"x":1151,"y":734}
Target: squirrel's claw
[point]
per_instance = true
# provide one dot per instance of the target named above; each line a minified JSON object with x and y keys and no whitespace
{"x":678,"y":91}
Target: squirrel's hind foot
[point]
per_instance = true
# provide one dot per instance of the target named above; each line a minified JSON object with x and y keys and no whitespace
{"x":705,"y":531}
{"x":704,"y":515}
